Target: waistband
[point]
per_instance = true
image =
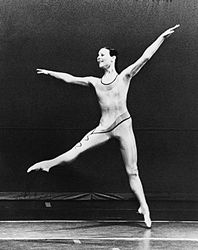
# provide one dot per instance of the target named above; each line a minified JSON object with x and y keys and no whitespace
{"x":120,"y":119}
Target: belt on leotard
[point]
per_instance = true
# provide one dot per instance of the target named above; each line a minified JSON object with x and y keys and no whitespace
{"x":120,"y":119}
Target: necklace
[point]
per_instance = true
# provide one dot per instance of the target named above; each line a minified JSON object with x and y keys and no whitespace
{"x":109,"y":82}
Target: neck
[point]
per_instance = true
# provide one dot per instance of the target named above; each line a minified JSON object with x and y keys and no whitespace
{"x":109,"y":76}
{"x":110,"y":71}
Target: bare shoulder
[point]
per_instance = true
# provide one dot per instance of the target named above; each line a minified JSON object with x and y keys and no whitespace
{"x":93,"y":80}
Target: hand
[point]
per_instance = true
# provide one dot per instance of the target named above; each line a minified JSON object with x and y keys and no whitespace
{"x":170,"y":31}
{"x":42,"y":71}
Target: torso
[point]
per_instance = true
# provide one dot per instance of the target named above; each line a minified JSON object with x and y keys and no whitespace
{"x":112,"y":99}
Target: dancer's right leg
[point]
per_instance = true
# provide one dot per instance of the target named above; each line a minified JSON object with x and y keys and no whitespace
{"x":90,"y":140}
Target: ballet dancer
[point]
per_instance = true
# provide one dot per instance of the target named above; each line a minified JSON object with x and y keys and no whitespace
{"x":115,"y":121}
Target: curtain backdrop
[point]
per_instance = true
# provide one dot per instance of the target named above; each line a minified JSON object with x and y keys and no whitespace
{"x":42,"y":117}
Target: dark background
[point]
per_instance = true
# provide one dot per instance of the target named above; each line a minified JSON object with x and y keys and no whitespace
{"x":42,"y":117}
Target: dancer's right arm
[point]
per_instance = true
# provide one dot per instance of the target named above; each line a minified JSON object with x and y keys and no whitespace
{"x":85,"y":81}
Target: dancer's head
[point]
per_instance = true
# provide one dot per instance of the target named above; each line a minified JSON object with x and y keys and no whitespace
{"x":107,"y":57}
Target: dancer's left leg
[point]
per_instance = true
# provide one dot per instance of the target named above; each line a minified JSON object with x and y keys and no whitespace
{"x":129,"y":154}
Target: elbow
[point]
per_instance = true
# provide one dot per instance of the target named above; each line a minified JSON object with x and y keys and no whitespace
{"x":146,"y":57}
{"x":147,"y":54}
{"x":68,"y":78}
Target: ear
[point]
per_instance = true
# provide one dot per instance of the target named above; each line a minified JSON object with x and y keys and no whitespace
{"x":114,"y":58}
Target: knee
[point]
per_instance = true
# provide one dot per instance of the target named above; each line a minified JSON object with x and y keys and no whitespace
{"x":76,"y":150}
{"x":132,"y":170}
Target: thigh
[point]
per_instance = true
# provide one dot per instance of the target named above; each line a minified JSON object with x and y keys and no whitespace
{"x":125,"y":135}
{"x":91,"y":140}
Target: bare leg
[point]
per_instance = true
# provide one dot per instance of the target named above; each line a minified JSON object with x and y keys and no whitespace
{"x":129,"y":154}
{"x":89,"y":140}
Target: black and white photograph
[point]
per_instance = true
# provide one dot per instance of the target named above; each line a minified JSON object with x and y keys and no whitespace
{"x":98,"y":124}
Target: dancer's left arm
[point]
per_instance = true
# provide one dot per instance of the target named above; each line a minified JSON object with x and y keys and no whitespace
{"x":133,"y":69}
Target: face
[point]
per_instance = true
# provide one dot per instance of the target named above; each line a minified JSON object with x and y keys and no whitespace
{"x":104,"y":59}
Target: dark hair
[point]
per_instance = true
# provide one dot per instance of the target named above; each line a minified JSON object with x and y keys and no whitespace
{"x":113,"y":52}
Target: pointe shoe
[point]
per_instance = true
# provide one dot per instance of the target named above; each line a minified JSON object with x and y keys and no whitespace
{"x":36,"y":167}
{"x":147,"y":219}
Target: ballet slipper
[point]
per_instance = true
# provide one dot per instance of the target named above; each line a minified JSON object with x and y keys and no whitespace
{"x":36,"y":167}
{"x":147,"y":219}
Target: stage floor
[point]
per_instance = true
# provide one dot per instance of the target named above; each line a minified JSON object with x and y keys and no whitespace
{"x":112,"y":235}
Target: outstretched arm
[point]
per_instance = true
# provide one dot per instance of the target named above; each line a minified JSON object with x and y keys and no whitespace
{"x":85,"y":81}
{"x":148,"y":53}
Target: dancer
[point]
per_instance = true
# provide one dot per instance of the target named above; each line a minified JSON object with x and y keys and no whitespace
{"x":115,"y":121}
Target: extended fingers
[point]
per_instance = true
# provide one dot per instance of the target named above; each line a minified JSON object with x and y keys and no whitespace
{"x":175,"y":27}
{"x":39,"y":71}
{"x":171,"y":30}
